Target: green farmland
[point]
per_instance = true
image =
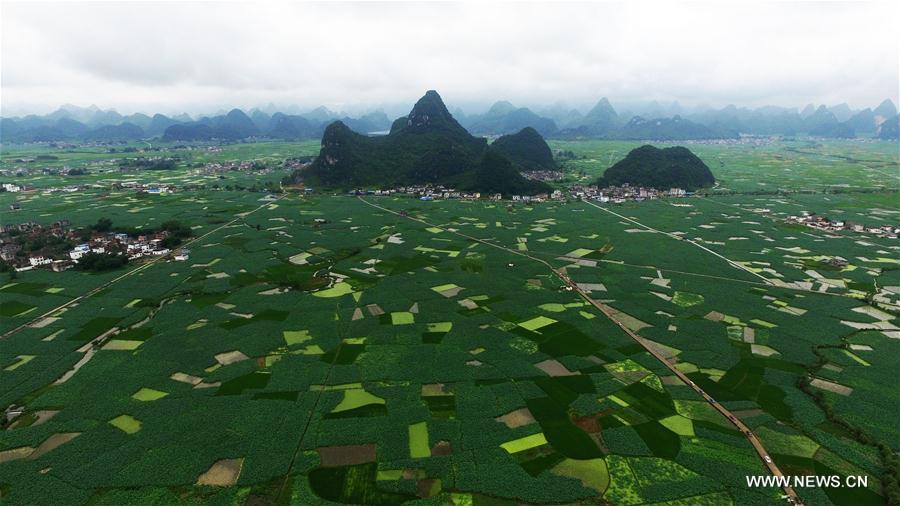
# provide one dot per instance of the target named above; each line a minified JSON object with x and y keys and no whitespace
{"x":321,"y":349}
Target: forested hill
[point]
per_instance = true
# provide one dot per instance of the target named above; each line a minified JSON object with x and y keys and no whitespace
{"x":649,"y":166}
{"x":428,"y":146}
{"x":527,"y":149}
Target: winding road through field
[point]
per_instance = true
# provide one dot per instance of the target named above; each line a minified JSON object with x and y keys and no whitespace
{"x":610,"y":314}
{"x":679,"y":238}
{"x":730,"y":262}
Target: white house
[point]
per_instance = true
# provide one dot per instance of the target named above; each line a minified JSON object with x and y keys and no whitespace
{"x":79,"y":251}
{"x":39,"y":260}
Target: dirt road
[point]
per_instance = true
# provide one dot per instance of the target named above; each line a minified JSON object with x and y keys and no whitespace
{"x":610,"y":314}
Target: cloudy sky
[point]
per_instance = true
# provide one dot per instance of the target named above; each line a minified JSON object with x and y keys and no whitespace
{"x":205,"y":56}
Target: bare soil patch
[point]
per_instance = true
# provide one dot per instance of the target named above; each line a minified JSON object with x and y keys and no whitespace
{"x":223,"y":473}
{"x":554,"y":368}
{"x":517,"y":418}
{"x":349,"y":455}
{"x":53,"y":442}
{"x":715,"y":316}
{"x":831,"y":386}
{"x":441,"y":448}
{"x":230,"y":357}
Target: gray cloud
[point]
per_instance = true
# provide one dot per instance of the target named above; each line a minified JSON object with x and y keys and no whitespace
{"x":175,"y":56}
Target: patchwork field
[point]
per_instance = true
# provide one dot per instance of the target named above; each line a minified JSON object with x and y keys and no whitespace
{"x":379,"y":350}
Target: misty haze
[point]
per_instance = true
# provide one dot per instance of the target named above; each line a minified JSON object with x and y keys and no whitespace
{"x":495,"y":253}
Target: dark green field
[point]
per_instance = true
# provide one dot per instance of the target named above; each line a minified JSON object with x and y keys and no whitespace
{"x":377,"y":359}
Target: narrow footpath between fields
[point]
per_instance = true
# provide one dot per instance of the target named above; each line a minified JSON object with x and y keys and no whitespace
{"x":610,"y":314}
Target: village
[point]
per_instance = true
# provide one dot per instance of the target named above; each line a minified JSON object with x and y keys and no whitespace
{"x":58,"y":246}
{"x":547,"y":176}
{"x":621,"y":194}
{"x":819,"y":222}
{"x":239,"y":165}
{"x":138,"y":187}
{"x":610,"y":194}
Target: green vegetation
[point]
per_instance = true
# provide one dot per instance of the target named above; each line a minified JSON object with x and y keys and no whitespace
{"x":352,"y":485}
{"x":592,"y":473}
{"x":685,"y":299}
{"x":526,"y":149}
{"x":148,"y":394}
{"x":648,"y":166}
{"x":126,"y":423}
{"x":98,"y":262}
{"x":427,"y":146}
{"x":357,"y":401}
{"x":396,"y":360}
{"x":524,"y":443}
{"x":402,"y":318}
{"x":418,"y":441}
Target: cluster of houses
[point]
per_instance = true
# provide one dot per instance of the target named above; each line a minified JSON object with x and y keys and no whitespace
{"x":11,"y":187}
{"x":65,"y":170}
{"x":422,"y":192}
{"x":819,"y":222}
{"x":429,"y":193}
{"x":743,"y":140}
{"x":72,"y":188}
{"x":620,"y":194}
{"x":233,"y":165}
{"x":14,"y":172}
{"x":614,"y":194}
{"x":544,"y":175}
{"x":293,"y":164}
{"x":115,"y":243}
{"x":10,"y":247}
{"x":540,"y":197}
{"x":151,"y":188}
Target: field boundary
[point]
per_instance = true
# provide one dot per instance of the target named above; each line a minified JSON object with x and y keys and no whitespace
{"x":606,"y":310}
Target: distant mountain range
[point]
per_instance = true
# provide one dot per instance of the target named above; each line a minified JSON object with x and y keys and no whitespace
{"x":652,"y":122}
{"x":601,"y":121}
{"x":889,"y":130}
{"x":503,"y":118}
{"x":428,"y":146}
{"x":70,"y":123}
